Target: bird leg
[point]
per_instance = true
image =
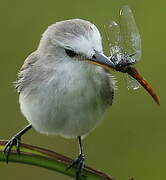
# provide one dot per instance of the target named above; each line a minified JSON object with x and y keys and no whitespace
{"x":79,"y":162}
{"x":15,"y":141}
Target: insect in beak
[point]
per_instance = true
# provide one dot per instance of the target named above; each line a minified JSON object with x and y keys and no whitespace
{"x":101,"y":60}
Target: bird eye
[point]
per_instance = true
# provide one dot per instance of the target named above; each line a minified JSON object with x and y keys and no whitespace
{"x":94,"y":57}
{"x":70,"y":53}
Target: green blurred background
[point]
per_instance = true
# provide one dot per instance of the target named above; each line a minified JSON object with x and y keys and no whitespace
{"x":131,"y":141}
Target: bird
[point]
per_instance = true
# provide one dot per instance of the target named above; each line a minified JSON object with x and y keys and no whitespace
{"x":64,"y":86}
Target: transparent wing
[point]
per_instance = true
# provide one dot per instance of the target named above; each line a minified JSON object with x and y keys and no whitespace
{"x":112,"y":30}
{"x":124,"y":38}
{"x":131,"y":83}
{"x":130,"y":37}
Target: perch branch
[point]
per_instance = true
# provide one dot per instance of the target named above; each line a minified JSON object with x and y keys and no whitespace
{"x":45,"y":158}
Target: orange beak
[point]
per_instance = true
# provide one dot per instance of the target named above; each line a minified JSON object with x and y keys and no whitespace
{"x":136,"y":75}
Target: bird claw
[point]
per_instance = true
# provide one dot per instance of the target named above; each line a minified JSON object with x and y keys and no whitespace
{"x":79,"y":165}
{"x":14,"y":141}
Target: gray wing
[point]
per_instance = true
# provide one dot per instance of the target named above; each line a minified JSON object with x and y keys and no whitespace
{"x":28,"y":63}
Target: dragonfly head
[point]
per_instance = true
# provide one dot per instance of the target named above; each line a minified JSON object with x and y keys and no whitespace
{"x":122,"y":61}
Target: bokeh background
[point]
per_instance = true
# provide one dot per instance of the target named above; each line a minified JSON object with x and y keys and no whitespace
{"x":131,"y":141}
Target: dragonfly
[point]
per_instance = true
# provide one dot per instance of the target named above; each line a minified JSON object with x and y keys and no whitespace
{"x":125,"y":49}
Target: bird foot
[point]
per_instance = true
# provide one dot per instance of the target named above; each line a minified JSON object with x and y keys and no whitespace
{"x":79,"y":165}
{"x":14,"y":141}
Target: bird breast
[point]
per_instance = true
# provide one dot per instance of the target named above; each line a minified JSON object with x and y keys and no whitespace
{"x":70,"y":100}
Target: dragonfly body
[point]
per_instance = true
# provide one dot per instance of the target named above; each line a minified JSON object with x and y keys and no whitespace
{"x":122,"y":60}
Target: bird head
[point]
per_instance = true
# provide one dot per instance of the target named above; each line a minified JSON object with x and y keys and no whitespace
{"x":75,"y":40}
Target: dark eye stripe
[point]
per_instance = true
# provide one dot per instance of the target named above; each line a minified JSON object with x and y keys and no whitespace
{"x":70,"y":53}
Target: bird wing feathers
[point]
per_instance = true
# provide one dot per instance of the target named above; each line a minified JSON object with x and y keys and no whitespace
{"x":28,"y":63}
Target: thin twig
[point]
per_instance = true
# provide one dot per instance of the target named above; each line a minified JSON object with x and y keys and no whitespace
{"x":49,"y":159}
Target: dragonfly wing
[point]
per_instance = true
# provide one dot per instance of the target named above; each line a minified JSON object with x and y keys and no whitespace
{"x":131,"y":83}
{"x":130,"y":37}
{"x":112,"y":30}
